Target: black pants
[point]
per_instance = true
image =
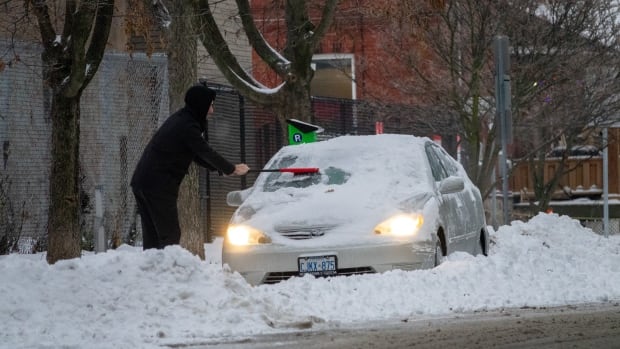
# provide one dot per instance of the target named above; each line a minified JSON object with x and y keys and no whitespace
{"x":160,"y":220}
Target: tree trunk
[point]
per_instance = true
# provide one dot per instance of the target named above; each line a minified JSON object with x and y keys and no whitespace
{"x":182,"y":52}
{"x":182,"y":72}
{"x":63,"y":223}
{"x":295,"y":103}
{"x":192,"y":227}
{"x":70,"y":58}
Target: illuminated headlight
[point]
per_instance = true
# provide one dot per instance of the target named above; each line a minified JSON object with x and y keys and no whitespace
{"x":242,"y":235}
{"x":401,"y":225}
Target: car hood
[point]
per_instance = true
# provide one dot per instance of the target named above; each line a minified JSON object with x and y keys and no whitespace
{"x":333,"y":216}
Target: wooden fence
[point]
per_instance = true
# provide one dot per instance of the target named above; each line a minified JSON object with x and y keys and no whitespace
{"x":585,"y":180}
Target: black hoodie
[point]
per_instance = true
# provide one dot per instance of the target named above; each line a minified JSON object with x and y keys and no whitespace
{"x":177,"y":143}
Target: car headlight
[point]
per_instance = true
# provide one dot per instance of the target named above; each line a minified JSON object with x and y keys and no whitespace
{"x":401,"y":225}
{"x":242,"y":235}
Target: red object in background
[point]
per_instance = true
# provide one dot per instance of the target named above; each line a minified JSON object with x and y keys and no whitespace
{"x":293,"y":170}
{"x":378,"y":127}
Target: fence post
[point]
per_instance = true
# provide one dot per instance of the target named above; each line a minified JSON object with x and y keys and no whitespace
{"x":98,"y":229}
{"x":605,"y":183}
{"x":242,"y":154}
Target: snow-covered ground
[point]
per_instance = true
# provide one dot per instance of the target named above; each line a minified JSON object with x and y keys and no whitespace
{"x":129,"y":298}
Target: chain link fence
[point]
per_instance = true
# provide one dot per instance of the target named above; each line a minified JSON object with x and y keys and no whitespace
{"x":120,"y":109}
{"x":24,"y":136}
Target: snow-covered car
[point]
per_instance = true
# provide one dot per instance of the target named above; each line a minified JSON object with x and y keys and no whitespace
{"x":375,"y":203}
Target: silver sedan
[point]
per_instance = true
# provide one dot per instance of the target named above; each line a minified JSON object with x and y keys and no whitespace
{"x":354,"y":205}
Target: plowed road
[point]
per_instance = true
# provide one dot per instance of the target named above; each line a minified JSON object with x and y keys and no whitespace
{"x":581,"y":326}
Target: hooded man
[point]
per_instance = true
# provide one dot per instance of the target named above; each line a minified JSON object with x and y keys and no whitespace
{"x":165,"y":162}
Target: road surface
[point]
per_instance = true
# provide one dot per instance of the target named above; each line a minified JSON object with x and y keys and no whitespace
{"x":579,"y":326}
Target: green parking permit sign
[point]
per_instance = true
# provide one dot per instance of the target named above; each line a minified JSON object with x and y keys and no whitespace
{"x":301,"y":132}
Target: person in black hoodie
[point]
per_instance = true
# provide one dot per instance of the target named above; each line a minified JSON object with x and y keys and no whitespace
{"x":165,"y":162}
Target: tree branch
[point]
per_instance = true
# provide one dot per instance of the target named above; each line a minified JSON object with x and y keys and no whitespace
{"x":274,"y":60}
{"x":101,"y":31}
{"x":70,"y":7}
{"x":229,"y":66}
{"x":329,"y":11}
{"x":82,"y":20}
{"x":48,"y":34}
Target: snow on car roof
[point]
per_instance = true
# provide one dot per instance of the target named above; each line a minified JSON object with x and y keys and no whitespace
{"x":393,"y":152}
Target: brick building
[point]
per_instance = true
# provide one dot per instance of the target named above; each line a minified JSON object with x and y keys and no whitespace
{"x":356,"y":58}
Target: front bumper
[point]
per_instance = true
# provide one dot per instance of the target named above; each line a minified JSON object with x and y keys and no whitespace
{"x":270,"y":263}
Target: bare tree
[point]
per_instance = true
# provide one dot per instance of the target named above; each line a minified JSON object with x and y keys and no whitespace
{"x":74,"y":41}
{"x":182,"y":50}
{"x":567,"y":82}
{"x":292,"y":64}
{"x":563,"y":60}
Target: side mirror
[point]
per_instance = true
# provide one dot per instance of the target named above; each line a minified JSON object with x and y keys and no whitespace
{"x":237,"y":197}
{"x":451,"y":185}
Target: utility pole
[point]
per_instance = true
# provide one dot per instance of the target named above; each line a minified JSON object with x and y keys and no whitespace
{"x":503,"y":114}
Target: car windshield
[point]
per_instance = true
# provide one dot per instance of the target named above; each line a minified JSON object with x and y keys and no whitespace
{"x":279,"y":180}
{"x":390,"y":166}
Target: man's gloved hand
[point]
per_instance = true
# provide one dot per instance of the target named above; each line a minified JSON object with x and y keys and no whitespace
{"x":241,"y":169}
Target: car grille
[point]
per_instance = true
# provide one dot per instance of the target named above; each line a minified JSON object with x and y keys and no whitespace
{"x":275,"y":277}
{"x":303,"y":232}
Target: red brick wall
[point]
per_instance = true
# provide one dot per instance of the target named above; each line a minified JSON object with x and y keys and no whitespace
{"x":379,"y":68}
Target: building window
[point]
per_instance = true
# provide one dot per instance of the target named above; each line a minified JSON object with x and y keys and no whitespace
{"x":334,"y":76}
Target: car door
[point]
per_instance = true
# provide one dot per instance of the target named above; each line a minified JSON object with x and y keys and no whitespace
{"x":466,"y":204}
{"x":449,"y":204}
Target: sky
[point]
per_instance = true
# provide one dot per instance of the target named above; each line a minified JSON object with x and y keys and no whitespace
{"x":129,"y":298}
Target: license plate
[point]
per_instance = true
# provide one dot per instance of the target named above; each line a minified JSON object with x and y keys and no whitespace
{"x":317,"y":265}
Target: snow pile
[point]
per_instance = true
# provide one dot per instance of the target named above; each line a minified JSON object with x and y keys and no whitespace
{"x":128,"y":298}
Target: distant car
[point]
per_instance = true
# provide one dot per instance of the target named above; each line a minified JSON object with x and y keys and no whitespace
{"x":577,"y":150}
{"x":377,"y":203}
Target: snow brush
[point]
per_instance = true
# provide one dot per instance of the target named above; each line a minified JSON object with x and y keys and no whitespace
{"x":294,"y":170}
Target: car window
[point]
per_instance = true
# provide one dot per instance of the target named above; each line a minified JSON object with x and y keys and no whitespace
{"x":336,"y":176}
{"x":447,"y":161}
{"x":279,"y":180}
{"x":438,"y":170}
